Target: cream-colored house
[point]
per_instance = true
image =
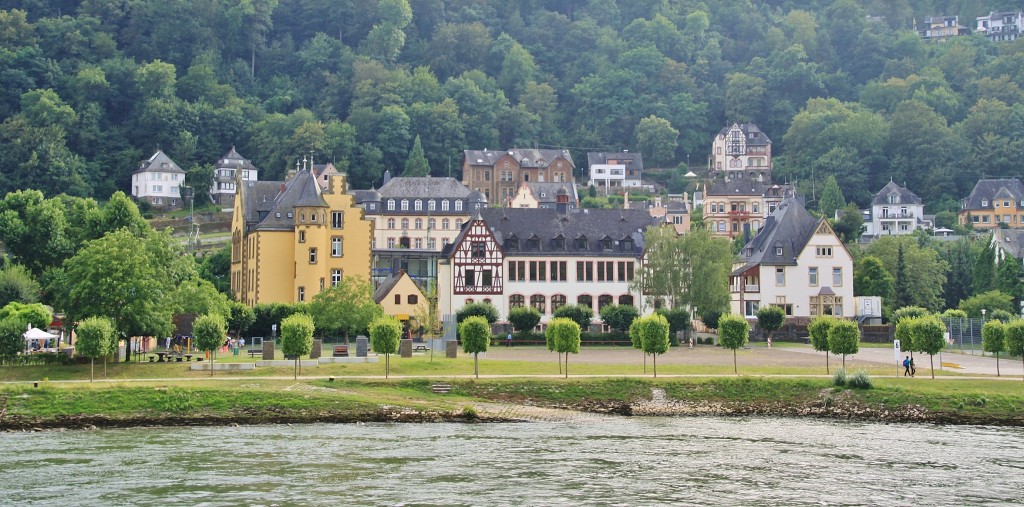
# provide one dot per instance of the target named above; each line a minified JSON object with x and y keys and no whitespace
{"x":158,"y":181}
{"x":400,"y":297}
{"x":796,"y":262}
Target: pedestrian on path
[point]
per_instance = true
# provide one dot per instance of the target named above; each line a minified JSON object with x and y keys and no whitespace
{"x":913,"y":369}
{"x":906,"y":366}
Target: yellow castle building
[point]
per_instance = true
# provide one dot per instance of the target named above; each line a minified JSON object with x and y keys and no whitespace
{"x":292,"y":239}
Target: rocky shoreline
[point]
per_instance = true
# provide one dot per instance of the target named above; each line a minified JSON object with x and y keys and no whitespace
{"x":827,"y":407}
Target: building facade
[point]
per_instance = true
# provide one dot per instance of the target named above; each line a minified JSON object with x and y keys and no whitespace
{"x":941,"y":28}
{"x":611,"y":170}
{"x":994,"y":202}
{"x":498,"y":174}
{"x":158,"y":181}
{"x":895,"y":210}
{"x":400,"y":297}
{"x":413,"y":219}
{"x":292,"y":240}
{"x":544,"y":258}
{"x":222,"y":190}
{"x":544,"y":195}
{"x":737,"y":206}
{"x":1001,"y":26}
{"x":742,"y":150}
{"x":795,"y":262}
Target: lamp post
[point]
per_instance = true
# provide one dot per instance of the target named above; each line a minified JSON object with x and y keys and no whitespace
{"x":983,"y":311}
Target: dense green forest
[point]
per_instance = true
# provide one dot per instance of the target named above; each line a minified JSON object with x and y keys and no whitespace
{"x":90,"y":87}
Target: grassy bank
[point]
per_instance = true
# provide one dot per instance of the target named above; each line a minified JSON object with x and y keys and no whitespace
{"x":251,"y":401}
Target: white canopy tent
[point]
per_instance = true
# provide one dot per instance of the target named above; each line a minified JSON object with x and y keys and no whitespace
{"x":34,"y":334}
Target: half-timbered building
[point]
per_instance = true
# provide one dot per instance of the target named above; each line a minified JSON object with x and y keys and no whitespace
{"x":545,"y":258}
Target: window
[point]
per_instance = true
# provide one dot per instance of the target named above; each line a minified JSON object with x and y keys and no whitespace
{"x":405,"y":204}
{"x":558,"y":271}
{"x":444,"y":205}
{"x":984,"y":203}
{"x":419,"y":223}
{"x":337,"y":219}
{"x":581,"y":243}
{"x":418,"y":205}
{"x":585,"y":300}
{"x":419,"y":243}
{"x":405,"y":224}
{"x":335,"y":277}
{"x":584,"y":271}
{"x":558,"y":243}
{"x":458,"y":223}
{"x":398,"y":299}
{"x":336,"y":246}
{"x":302,"y":236}
{"x":413,"y":299}
{"x":837,"y":277}
{"x":557,"y":301}
{"x":478,"y":249}
{"x":516,"y":271}
{"x":391,"y":223}
{"x":812,"y":277}
{"x":485,"y":278}
{"x":539,"y":302}
{"x":445,"y":223}
{"x":823,"y":251}
{"x":458,"y":205}
{"x":391,"y":242}
{"x":302,"y":294}
{"x":750,"y":308}
{"x":470,"y":277}
{"x":626,"y":299}
{"x":432,"y":243}
{"x":780,"y":277}
{"x":516,"y":301}
{"x":778,"y":250}
{"x":431,"y":223}
{"x":603,"y":301}
{"x":431,"y":205}
{"x":391,"y":205}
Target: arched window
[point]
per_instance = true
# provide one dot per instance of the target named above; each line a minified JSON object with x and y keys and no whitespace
{"x":432,"y":223}
{"x":458,"y":205}
{"x":539,"y":302}
{"x":557,"y":301}
{"x":603,"y":301}
{"x":405,"y":205}
{"x":419,"y":222}
{"x":405,"y":223}
{"x":458,"y":223}
{"x":626,"y":299}
{"x":516,"y":301}
{"x":391,"y":223}
{"x":418,"y":205}
{"x":445,"y":223}
{"x":444,"y":205}
{"x":585,"y":300}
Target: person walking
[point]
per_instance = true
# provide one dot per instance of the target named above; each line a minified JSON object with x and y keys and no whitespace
{"x":906,"y":366}
{"x":508,"y":340}
{"x":913,"y":368}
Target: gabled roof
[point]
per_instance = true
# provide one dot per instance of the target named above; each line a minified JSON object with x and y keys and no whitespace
{"x":1010,"y":240}
{"x":158,"y":162}
{"x":546,"y":224}
{"x":385,"y":287}
{"x":301,"y":190}
{"x":752,"y":134}
{"x":259,"y":198}
{"x":906,"y":196}
{"x":789,"y":227}
{"x":632,"y":159}
{"x":745,"y":187}
{"x":233,"y":160}
{"x":987,"y":190}
{"x":546,"y":192}
{"x":524,"y":157}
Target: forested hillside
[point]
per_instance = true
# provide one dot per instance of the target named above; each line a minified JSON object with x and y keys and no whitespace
{"x":90,"y":87}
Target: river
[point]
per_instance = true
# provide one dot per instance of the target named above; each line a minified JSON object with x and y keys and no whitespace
{"x":593,"y":461}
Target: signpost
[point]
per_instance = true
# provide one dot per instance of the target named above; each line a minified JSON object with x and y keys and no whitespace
{"x":898,"y":352}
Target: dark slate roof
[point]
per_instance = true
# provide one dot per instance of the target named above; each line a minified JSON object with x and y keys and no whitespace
{"x":745,"y":186}
{"x":994,"y":189}
{"x":525,"y":157}
{"x":789,"y":227}
{"x":751,"y":133}
{"x":156,"y":163}
{"x":385,"y":287}
{"x":413,"y":187}
{"x":233,"y":160}
{"x":546,"y":192}
{"x":906,"y":196}
{"x":546,"y":224}
{"x":362,"y":196}
{"x":632,"y":159}
{"x":301,"y":190}
{"x":1011,"y":241}
{"x":259,"y":198}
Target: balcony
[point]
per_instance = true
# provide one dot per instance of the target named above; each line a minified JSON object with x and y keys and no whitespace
{"x":896,"y":216}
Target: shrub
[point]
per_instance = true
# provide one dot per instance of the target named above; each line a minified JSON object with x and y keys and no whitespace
{"x":484,"y":310}
{"x":839,"y":378}
{"x":860,"y":380}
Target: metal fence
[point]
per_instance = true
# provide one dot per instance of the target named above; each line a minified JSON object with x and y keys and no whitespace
{"x":964,"y":334}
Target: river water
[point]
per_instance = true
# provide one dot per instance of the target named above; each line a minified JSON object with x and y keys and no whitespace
{"x":594,"y":461}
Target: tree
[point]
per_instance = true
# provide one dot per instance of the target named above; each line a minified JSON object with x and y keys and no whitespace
{"x":1008,"y":279}
{"x":733,"y":333}
{"x":580,"y":314}
{"x":564,"y":334}
{"x":1015,"y":338}
{"x":12,"y":339}
{"x":844,"y":338}
{"x":678,"y":320}
{"x":210,"y":331}
{"x":993,"y":339}
{"x":818,"y":330}
{"x":850,"y":223}
{"x":198,"y":296}
{"x":241,"y":319}
{"x":95,"y":339}
{"x":485,"y":310}
{"x":901,"y":285}
{"x":909,"y":312}
{"x":924,"y":272}
{"x":524,"y":318}
{"x":928,"y":336}
{"x":385,"y":336}
{"x":984,"y":269}
{"x":991,"y":301}
{"x":831,"y":198}
{"x":297,"y":337}
{"x":871,"y":279}
{"x":657,"y":140}
{"x":417,"y":164}
{"x":428,"y":318}
{"x":689,"y":271}
{"x":475,"y":333}
{"x":347,"y":307}
{"x":770,"y":319}
{"x":35,"y":314}
{"x":619,"y":317}
{"x":17,"y":284}
{"x":651,"y":333}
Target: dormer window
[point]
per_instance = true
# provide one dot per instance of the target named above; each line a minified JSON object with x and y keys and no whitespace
{"x":512,"y":244}
{"x":458,"y":205}
{"x":581,"y":243}
{"x":391,"y":205}
{"x":419,"y":205}
{"x":627,"y":245}
{"x":405,"y":205}
{"x":606,"y":243}
{"x":444,"y":205}
{"x":984,"y":203}
{"x":778,"y":251}
{"x":558,"y":243}
{"x":894,"y":199}
{"x":533,"y":243}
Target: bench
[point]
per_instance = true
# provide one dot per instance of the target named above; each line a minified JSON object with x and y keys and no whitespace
{"x":420,"y":348}
{"x":254,"y":352}
{"x":341,"y":351}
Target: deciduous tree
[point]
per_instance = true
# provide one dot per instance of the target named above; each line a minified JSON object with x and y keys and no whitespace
{"x":651,"y":333}
{"x":210,"y":332}
{"x":347,"y":307}
{"x":733,"y":333}
{"x":770,"y":319}
{"x":475,"y":334}
{"x":385,"y":337}
{"x":818,"y":330}
{"x":95,"y":338}
{"x":993,"y":339}
{"x":297,"y":337}
{"x":564,"y":334}
{"x":844,"y":338}
{"x":928,"y":336}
